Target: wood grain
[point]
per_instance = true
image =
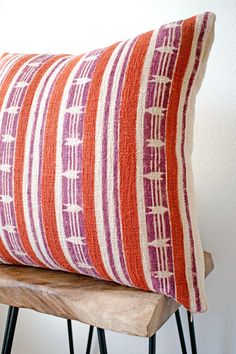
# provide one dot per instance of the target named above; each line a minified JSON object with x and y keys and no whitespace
{"x":95,"y":302}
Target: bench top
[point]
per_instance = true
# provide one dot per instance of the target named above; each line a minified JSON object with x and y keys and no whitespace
{"x":92,"y":301}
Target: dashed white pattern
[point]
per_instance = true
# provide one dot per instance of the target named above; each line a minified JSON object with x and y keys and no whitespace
{"x":106,"y":247}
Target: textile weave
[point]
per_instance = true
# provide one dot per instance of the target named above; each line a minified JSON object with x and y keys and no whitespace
{"x":95,"y":161}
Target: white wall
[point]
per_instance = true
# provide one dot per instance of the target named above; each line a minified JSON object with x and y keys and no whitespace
{"x":77,"y":26}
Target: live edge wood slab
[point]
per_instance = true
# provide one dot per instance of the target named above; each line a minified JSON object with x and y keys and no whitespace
{"x":95,"y":302}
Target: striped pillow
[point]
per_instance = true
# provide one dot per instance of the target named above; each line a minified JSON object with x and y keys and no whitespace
{"x":95,"y":170}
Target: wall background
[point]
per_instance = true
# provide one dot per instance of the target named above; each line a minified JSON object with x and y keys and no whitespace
{"x":75,"y":26}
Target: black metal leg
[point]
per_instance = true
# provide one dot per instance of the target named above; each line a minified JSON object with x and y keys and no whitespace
{"x":10,"y":329}
{"x":6,"y":328}
{"x":192,"y":333}
{"x":152,"y":344}
{"x":102,"y":341}
{"x":70,"y":336}
{"x":180,"y":331}
{"x":90,"y":337}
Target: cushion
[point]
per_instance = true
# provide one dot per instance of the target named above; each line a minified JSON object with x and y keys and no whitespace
{"x":95,"y":161}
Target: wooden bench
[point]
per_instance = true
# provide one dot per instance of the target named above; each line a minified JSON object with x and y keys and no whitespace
{"x":95,"y":302}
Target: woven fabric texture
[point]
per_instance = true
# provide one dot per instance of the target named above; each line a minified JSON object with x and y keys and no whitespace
{"x":95,"y":161}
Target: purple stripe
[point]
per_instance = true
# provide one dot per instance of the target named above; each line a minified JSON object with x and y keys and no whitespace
{"x":191,"y":80}
{"x":152,"y":154}
{"x":116,"y":162}
{"x":16,"y":98}
{"x":76,"y":94}
{"x":163,"y":221}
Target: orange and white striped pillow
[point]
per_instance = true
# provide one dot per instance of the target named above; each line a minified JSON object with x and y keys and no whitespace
{"x":95,"y":171}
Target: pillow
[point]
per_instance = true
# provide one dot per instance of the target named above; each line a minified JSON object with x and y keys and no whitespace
{"x":95,"y":161}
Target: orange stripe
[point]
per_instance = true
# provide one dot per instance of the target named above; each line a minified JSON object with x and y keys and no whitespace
{"x":8,"y":79}
{"x":172,"y":164}
{"x":4,"y":59}
{"x":19,"y":157}
{"x":89,"y":163}
{"x":3,"y":55}
{"x":49,"y":167}
{"x":127,"y":158}
{"x":6,"y":255}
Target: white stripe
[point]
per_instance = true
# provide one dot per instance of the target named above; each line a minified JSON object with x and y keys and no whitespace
{"x":154,"y":191}
{"x":7,"y":66}
{"x":98,"y":192}
{"x":198,"y":253}
{"x":182,"y":207}
{"x":73,"y":163}
{"x":110,"y":165}
{"x":39,"y":245}
{"x":139,"y":164}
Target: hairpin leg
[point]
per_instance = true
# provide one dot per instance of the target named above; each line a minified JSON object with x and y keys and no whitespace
{"x":152,"y":344}
{"x":70,"y":336}
{"x":90,"y":337}
{"x":10,"y":329}
{"x":180,"y":331}
{"x":102,"y":341}
{"x":192,"y":333}
{"x":6,"y":328}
